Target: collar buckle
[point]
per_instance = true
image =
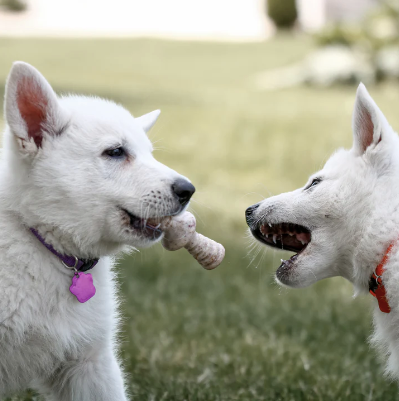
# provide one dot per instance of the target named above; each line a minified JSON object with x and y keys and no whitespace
{"x":75,"y":267}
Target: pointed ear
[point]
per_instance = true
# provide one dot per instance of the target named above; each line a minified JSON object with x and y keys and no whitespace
{"x":367,"y":122}
{"x":31,"y":107}
{"x":148,"y":120}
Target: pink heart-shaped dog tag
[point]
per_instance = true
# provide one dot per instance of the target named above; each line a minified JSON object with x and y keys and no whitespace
{"x":82,"y":287}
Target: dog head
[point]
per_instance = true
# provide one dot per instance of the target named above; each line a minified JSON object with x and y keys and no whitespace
{"x":333,"y":224}
{"x":84,"y":167}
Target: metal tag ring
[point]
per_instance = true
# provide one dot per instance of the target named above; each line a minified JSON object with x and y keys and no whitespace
{"x":74,"y":267}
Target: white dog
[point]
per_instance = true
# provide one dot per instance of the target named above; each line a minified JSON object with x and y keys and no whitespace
{"x":345,"y":222}
{"x":78,"y":184}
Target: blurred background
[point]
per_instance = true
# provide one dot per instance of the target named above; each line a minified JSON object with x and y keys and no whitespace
{"x":255,"y":96}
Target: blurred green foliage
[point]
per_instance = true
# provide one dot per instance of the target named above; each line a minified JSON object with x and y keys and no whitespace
{"x":228,"y":334}
{"x":13,"y":5}
{"x":378,"y":29}
{"x":282,"y":12}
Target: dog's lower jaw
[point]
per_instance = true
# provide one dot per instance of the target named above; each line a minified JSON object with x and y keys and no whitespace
{"x":281,"y":283}
{"x":289,"y":280}
{"x":144,"y":232}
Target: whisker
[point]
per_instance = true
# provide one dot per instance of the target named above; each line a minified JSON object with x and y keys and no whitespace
{"x":197,"y":216}
{"x":252,"y":193}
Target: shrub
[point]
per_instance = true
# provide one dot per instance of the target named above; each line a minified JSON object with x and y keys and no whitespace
{"x":282,"y":12}
{"x":13,"y":5}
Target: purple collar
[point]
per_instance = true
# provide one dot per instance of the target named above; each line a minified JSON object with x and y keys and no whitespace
{"x":71,"y":262}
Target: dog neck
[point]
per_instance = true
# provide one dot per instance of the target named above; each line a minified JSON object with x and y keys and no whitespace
{"x":69,"y":244}
{"x":66,"y":243}
{"x":70,"y":262}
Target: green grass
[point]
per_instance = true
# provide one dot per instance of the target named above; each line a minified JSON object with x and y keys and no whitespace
{"x":229,"y":334}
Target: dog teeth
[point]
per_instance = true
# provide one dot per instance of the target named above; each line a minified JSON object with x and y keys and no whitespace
{"x":284,"y":231}
{"x":159,"y":225}
{"x":303,"y":238}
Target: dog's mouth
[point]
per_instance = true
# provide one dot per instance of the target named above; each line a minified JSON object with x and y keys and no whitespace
{"x":284,"y":236}
{"x":148,"y":228}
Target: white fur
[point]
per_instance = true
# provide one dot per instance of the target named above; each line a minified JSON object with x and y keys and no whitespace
{"x":71,"y":193}
{"x":353,"y":215}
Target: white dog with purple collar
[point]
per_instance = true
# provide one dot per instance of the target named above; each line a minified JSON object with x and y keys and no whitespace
{"x":78,"y":183}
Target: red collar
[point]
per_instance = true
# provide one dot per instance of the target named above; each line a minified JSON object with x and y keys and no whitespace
{"x":376,"y":286}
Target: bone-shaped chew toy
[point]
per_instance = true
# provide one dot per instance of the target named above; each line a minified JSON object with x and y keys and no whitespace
{"x":179,"y":232}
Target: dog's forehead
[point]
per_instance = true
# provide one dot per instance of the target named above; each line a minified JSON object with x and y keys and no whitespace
{"x":105,"y":121}
{"x":341,"y":160}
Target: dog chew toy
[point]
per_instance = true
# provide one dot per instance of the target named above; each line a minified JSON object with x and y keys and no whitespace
{"x":179,"y":232}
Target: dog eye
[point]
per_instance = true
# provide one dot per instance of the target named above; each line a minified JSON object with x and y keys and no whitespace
{"x":117,"y":152}
{"x":313,"y":183}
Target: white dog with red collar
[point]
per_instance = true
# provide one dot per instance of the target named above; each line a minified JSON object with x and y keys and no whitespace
{"x":345,"y":222}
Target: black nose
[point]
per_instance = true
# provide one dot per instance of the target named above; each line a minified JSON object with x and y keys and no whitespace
{"x":184,"y":190}
{"x":249,"y":212}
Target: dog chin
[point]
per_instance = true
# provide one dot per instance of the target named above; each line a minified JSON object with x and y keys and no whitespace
{"x":143,"y":243}
{"x":293,"y":280}
{"x":298,"y":271}
{"x":143,"y":233}
{"x":290,"y":280}
{"x":303,"y":273}
{"x":287,"y":275}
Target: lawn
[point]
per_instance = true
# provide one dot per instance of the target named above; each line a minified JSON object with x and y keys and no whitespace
{"x":232,"y":333}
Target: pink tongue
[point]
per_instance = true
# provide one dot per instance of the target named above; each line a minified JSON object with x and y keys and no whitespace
{"x":304,"y":237}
